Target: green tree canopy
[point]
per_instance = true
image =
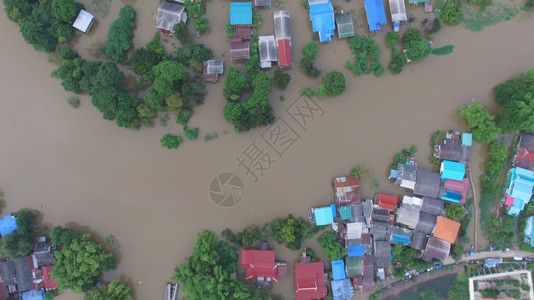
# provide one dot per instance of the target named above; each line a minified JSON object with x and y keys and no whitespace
{"x":392,"y":38}
{"x":120,"y":35}
{"x":20,"y":242}
{"x":79,"y":262}
{"x":454,"y":211}
{"x":331,"y":247}
{"x":310,"y":50}
{"x":281,"y":79}
{"x":450,"y":11}
{"x":480,"y":121}
{"x":112,"y":291}
{"x":517,"y":103}
{"x":459,"y":289}
{"x":334,"y":83}
{"x":170,"y":141}
{"x":65,"y":10}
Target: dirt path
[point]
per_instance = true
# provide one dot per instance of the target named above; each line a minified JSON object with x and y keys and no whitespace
{"x":396,"y":290}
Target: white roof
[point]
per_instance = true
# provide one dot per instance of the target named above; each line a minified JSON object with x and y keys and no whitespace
{"x":83,"y":21}
{"x":412,"y":200}
{"x":354,"y":231}
{"x":398,"y":10}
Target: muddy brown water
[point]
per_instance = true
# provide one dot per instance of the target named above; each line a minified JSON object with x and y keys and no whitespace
{"x":75,"y":167}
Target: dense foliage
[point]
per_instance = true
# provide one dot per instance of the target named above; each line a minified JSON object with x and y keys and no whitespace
{"x":142,"y":60}
{"x":310,"y":50}
{"x":210,"y":272}
{"x":281,"y":79}
{"x":398,"y":61}
{"x":43,"y":24}
{"x":459,"y":289}
{"x":309,"y":68}
{"x":248,"y":238}
{"x":454,"y":211}
{"x":20,"y":242}
{"x":480,"y":121}
{"x":392,"y":38}
{"x":170,"y":141}
{"x":191,"y":133}
{"x":406,"y":256}
{"x":290,"y":231}
{"x":366,"y":53}
{"x":416,"y":47}
{"x":450,"y":11}
{"x":112,"y":291}
{"x":331,"y":247}
{"x":120,"y":35}
{"x":334,"y":83}
{"x":445,"y":50}
{"x":195,"y":11}
{"x":516,"y":97}
{"x":79,"y":262}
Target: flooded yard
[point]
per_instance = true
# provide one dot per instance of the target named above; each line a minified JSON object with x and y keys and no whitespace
{"x":81,"y":170}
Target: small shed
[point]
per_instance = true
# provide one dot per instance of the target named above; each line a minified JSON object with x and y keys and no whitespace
{"x":338,"y":269}
{"x":345,"y":26}
{"x":239,"y":49}
{"x":240,"y":13}
{"x":267,"y":50}
{"x":262,"y":3}
{"x":84,"y":21}
{"x":169,"y":15}
{"x":211,"y":70}
{"x":376,"y":15}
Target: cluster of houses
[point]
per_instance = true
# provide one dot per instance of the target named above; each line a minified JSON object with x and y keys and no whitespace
{"x":324,"y":20}
{"x":368,"y":228}
{"x":29,"y":277}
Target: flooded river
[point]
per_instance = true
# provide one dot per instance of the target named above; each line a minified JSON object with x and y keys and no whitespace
{"x":82,"y":171}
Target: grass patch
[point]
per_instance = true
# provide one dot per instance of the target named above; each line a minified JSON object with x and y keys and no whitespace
{"x":102,"y":6}
{"x":476,"y":20}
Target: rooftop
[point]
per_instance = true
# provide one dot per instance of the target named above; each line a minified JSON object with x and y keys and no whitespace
{"x":309,"y":281}
{"x":455,"y":191}
{"x":84,"y":21}
{"x":240,"y":13}
{"x":419,"y":240}
{"x":387,"y":201}
{"x":239,"y":49}
{"x":170,"y":14}
{"x":436,"y":248}
{"x":376,"y":15}
{"x":324,"y":215}
{"x":24,"y":273}
{"x":427,"y":183}
{"x":267,"y":50}
{"x":527,"y":141}
{"x":8,"y":224}
{"x":345,"y":26}
{"x":432,"y":206}
{"x":426,"y":223}
{"x":49,"y":283}
{"x":452,"y":170}
{"x":322,"y":18}
{"x":342,"y":289}
{"x":338,"y":269}
{"x":446,"y":229}
{"x":347,"y":190}
{"x":259,"y":263}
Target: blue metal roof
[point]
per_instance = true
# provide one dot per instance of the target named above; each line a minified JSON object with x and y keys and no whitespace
{"x":467,"y":139}
{"x":322,"y":18}
{"x":492,"y":262}
{"x":33,"y":295}
{"x":393,"y":174}
{"x":323,"y":216}
{"x":334,"y":211}
{"x":452,"y":196}
{"x":240,"y":13}
{"x":452,"y":170}
{"x":376,"y":15}
{"x":8,"y":224}
{"x":398,"y":238}
{"x":338,"y":269}
{"x":356,"y":250}
{"x":513,"y":211}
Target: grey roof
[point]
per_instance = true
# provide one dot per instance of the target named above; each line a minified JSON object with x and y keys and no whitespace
{"x":426,"y":224}
{"x":7,"y":270}
{"x":405,"y":172}
{"x":419,"y":240}
{"x":267,"y":50}
{"x":436,"y":248}
{"x":43,"y":254}
{"x":345,"y":27}
{"x":450,"y":149}
{"x":367,"y":210}
{"x":379,"y":232}
{"x":380,"y":216}
{"x":24,"y":274}
{"x":408,"y":215}
{"x":170,"y":14}
{"x":357,"y":212}
{"x":215,"y":66}
{"x":400,"y":231}
{"x":427,"y":183}
{"x":262,"y":2}
{"x":432,"y":206}
{"x":527,"y":141}
{"x":368,"y":273}
{"x":282,"y":25}
{"x":342,"y":289}
{"x":382,"y":253}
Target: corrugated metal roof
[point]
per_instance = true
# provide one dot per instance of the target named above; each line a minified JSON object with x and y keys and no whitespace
{"x":432,"y":206}
{"x":398,"y":11}
{"x":170,"y":14}
{"x":267,"y":50}
{"x":427,"y":183}
{"x":345,"y":26}
{"x":426,"y":223}
{"x":323,"y":216}
{"x":376,"y":15}
{"x":436,"y":248}
{"x":282,"y":25}
{"x":419,"y":240}
{"x":8,"y":224}
{"x":452,"y":170}
{"x":322,"y":18}
{"x":84,"y":21}
{"x":338,"y":269}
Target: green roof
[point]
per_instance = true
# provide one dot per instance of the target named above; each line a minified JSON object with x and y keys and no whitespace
{"x":345,"y":212}
{"x":345,"y":27}
{"x":354,"y":266}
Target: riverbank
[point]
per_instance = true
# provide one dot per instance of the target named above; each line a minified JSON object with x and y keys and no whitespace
{"x":398,"y":289}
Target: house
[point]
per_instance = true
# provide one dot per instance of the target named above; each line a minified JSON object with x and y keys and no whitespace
{"x":446,"y":229}
{"x":310,"y":281}
{"x":379,"y":232}
{"x":48,"y":282}
{"x":387,"y":201}
{"x":322,"y":215}
{"x":322,"y":19}
{"x":239,"y":49}
{"x":342,"y":289}
{"x":382,"y":254}
{"x":367,"y":206}
{"x":267,"y":50}
{"x":354,"y":231}
{"x":455,"y":191}
{"x":346,"y":190}
{"x":525,"y":154}
{"x":529,"y":233}
{"x":398,"y":13}
{"x":427,"y":183}
{"x":381,"y":216}
{"x":455,"y":147}
{"x":42,"y":254}
{"x":452,"y":170}
{"x":84,"y":21}
{"x":338,"y":269}
{"x":419,"y":240}
{"x":354,"y":266}
{"x":262,"y":3}
{"x":243,"y":31}
{"x":9,"y":275}
{"x":34,"y":295}
{"x":368,"y":281}
{"x":436,"y":248}
{"x":169,"y":15}
{"x":260,"y":266}
{"x":398,"y":235}
{"x":426,"y":223}
{"x":345,"y":213}
{"x":345,"y":26}
{"x":8,"y":224}
{"x":408,"y":212}
{"x":432,"y":206}
{"x":211,"y":70}
{"x":240,"y":13}
{"x":282,"y":35}
{"x":23,"y":272}
{"x":520,"y":188}
{"x":376,"y":15}
{"x":406,"y":174}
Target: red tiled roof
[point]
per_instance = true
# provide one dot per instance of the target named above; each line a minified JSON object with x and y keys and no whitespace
{"x":243,"y":31}
{"x":446,"y":229}
{"x":309,"y":281}
{"x":259,"y":263}
{"x":208,"y":77}
{"x":457,"y":186}
{"x":284,"y":54}
{"x":524,"y":159}
{"x":347,"y":190}
{"x":49,"y":283}
{"x":239,"y":49}
{"x":387,"y":201}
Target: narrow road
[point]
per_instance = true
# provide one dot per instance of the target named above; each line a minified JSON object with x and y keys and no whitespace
{"x":489,"y":254}
{"x":475,"y":205}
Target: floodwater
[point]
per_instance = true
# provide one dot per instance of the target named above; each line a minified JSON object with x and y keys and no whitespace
{"x":87,"y":173}
{"x":439,"y":285}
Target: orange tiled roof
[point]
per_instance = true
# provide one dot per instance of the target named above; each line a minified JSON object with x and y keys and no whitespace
{"x":446,"y":229}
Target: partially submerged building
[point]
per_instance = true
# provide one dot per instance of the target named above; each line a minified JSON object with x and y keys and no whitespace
{"x":398,"y":13}
{"x":520,"y":189}
{"x":282,"y":35}
{"x":267,"y":50}
{"x":322,"y":19}
{"x":446,"y":230}
{"x":387,"y":201}
{"x":8,"y":224}
{"x":261,"y":266}
{"x":322,"y":215}
{"x":436,"y":249}
{"x":345,"y":26}
{"x":428,"y":183}
{"x":310,"y":281}
{"x":455,"y":147}
{"x":346,"y":190}
{"x":239,"y":49}
{"x":169,"y":15}
{"x":455,"y":191}
{"x":84,"y":21}
{"x":211,"y":70}
{"x":376,"y":15}
{"x":452,"y":170}
{"x":342,"y":289}
{"x":262,"y":3}
{"x":240,"y":13}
